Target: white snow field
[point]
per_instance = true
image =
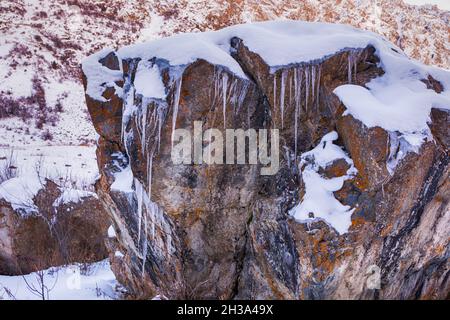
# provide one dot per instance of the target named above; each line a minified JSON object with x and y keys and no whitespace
{"x":93,"y":281}
{"x":73,"y":168}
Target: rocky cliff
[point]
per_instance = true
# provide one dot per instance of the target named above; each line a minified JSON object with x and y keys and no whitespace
{"x":359,"y":207}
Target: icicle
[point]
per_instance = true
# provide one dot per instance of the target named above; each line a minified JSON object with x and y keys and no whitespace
{"x":349,"y":67}
{"x":214,"y":88}
{"x":232,"y":95}
{"x":143,"y":126}
{"x":307,"y":88}
{"x":143,"y":203}
{"x":313,"y":81}
{"x":176,"y":103}
{"x":290,"y":90}
{"x":231,"y":91}
{"x":274,"y":91}
{"x":298,"y":94}
{"x":295,"y":113}
{"x":282,"y":92}
{"x":287,"y":156}
{"x":224,"y":96}
{"x":127,"y":112}
{"x":295,"y":85}
{"x":169,"y":247}
{"x":235,"y":91}
{"x":318,"y":86}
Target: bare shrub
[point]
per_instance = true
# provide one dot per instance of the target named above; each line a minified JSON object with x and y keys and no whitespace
{"x":29,"y":107}
{"x":6,"y":292}
{"x":47,"y":135}
{"x":10,"y":107}
{"x":8,"y":167}
{"x":40,"y":288}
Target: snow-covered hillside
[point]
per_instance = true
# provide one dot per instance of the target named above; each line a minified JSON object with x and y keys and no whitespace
{"x":43,"y":41}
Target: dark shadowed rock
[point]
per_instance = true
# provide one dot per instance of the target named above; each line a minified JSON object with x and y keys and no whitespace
{"x":223,"y":231}
{"x":53,"y":236}
{"x":439,"y":125}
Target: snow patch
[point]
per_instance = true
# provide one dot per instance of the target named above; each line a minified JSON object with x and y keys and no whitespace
{"x":72,"y":196}
{"x":99,"y":77}
{"x":319,"y":201}
{"x":148,"y":81}
{"x":72,"y":168}
{"x":111,"y":232}
{"x":74,"y":282}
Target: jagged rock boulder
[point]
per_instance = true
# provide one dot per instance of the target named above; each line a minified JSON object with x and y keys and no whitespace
{"x":60,"y":232}
{"x":198,"y":230}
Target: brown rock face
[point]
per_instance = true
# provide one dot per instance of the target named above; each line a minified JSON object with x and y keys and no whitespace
{"x":440,"y":124}
{"x":68,"y":233}
{"x":223,"y":231}
{"x":110,"y":112}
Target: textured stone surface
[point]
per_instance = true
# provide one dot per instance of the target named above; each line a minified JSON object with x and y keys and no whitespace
{"x":69,"y":233}
{"x":223,"y":231}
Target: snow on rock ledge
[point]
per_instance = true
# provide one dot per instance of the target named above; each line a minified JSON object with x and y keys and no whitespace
{"x":319,"y":201}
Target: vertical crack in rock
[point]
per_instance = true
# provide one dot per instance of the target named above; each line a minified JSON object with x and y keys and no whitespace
{"x":394,"y":244}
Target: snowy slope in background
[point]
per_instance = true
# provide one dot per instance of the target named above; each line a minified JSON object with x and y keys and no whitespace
{"x":43,"y":41}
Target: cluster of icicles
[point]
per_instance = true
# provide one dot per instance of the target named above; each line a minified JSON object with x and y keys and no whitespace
{"x":149,"y":118}
{"x":300,"y":87}
{"x":228,"y":91}
{"x":297,"y":87}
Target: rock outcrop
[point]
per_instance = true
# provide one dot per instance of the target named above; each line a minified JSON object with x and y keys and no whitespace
{"x":226,"y":231}
{"x":59,"y":233}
